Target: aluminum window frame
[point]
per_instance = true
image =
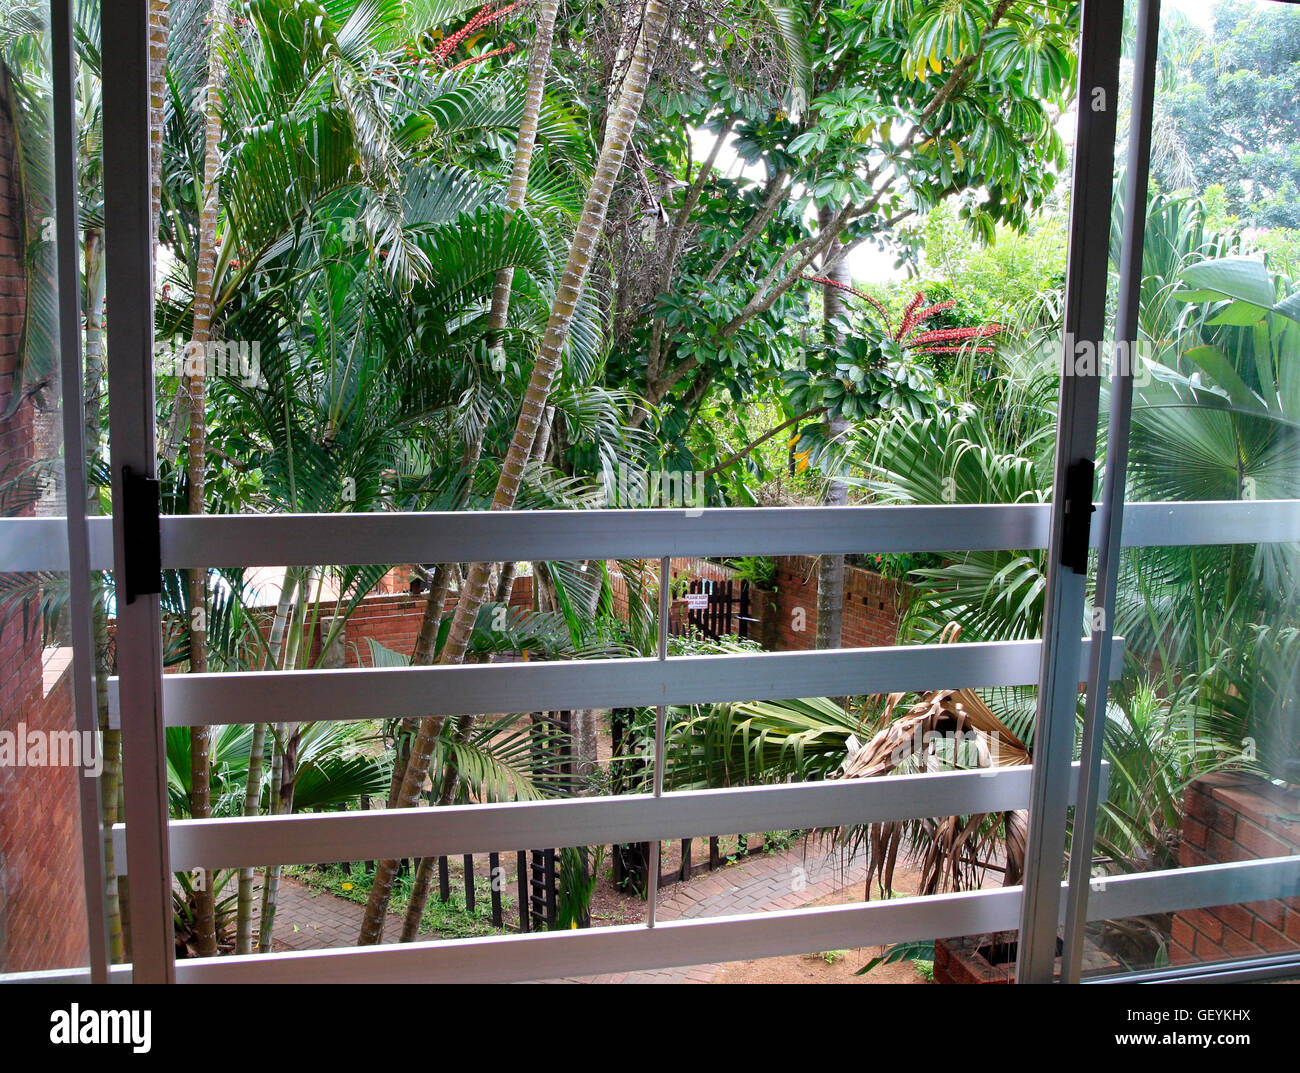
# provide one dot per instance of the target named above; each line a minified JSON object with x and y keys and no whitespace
{"x":145,"y":703}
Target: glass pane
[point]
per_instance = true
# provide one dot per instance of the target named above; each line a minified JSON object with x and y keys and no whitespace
{"x":44,"y":758}
{"x":1203,"y":733}
{"x":337,"y":242}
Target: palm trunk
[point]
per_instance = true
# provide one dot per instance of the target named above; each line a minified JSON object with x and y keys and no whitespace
{"x":426,"y":640}
{"x":524,"y":145}
{"x":284,"y":758}
{"x":253,"y":784}
{"x":618,"y":134}
{"x":284,"y":776}
{"x":196,"y":450}
{"x":271,"y":878}
{"x":498,"y":317}
{"x":110,"y":778}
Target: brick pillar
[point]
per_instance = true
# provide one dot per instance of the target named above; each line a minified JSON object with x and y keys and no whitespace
{"x":872,"y":606}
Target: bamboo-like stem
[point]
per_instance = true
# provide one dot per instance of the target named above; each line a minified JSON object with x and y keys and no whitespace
{"x":253,"y":785}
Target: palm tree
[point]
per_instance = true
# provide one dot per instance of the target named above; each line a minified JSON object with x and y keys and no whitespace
{"x":830,"y":568}
{"x":325,"y":262}
{"x":196,"y":461}
{"x":334,"y":767}
{"x":581,"y":252}
{"x":516,"y":195}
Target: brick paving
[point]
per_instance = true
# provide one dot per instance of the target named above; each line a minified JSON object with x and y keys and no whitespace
{"x":760,"y":884}
{"x":310,"y":920}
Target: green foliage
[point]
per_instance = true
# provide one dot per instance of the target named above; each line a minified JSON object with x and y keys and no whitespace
{"x":758,"y":570}
{"x":442,"y":920}
{"x":579,"y":872}
{"x":995,"y":282}
{"x":918,"y":952}
{"x":758,"y":741}
{"x":1226,"y":109}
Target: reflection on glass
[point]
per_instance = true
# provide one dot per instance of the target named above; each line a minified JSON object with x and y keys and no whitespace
{"x":43,"y":757}
{"x":1203,"y":732}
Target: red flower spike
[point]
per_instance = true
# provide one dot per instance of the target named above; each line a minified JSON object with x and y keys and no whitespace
{"x":930,"y":311}
{"x":908,"y":322}
{"x":485,"y":56}
{"x":485,"y":15}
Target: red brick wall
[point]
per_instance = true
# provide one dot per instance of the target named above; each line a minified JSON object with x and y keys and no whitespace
{"x":42,"y":900}
{"x":394,"y":621}
{"x":15,"y":431}
{"x":872,"y":605}
{"x":1232,"y":817}
{"x":42,"y":905}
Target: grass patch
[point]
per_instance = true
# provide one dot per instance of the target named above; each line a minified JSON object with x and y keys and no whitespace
{"x":444,"y":920}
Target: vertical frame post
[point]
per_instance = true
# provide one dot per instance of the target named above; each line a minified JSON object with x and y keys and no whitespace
{"x":67,"y":231}
{"x":1101,"y":39}
{"x":129,"y":252}
{"x":661,"y":721}
{"x":1112,"y":500}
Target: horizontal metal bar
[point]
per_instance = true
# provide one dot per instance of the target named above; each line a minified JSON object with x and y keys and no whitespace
{"x":1234,"y":971}
{"x":117,"y":974}
{"x":497,"y":536}
{"x":41,"y":544}
{"x":1232,"y":883}
{"x":1180,"y":525}
{"x":550,"y":955}
{"x":695,"y":941}
{"x":458,"y":829}
{"x":356,"y":539}
{"x":399,"y":692}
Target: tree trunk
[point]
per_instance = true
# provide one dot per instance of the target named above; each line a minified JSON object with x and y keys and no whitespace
{"x":284,"y":758}
{"x":253,"y":785}
{"x":591,"y":224}
{"x":271,"y":878}
{"x":111,"y":777}
{"x":196,"y":450}
{"x":830,"y":568}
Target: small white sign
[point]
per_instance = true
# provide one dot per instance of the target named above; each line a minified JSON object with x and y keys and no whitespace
{"x":697,"y":601}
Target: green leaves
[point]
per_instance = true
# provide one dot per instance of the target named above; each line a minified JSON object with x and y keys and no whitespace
{"x":1247,"y":285}
{"x":944,"y":32}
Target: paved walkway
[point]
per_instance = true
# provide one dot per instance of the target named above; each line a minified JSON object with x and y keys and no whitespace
{"x":306,"y":919}
{"x":759,"y":884}
{"x":310,"y":920}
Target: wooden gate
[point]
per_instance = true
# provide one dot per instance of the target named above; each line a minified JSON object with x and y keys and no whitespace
{"x":723,"y":610}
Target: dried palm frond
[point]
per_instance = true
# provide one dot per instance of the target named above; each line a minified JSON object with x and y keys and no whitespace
{"x":946,"y":730}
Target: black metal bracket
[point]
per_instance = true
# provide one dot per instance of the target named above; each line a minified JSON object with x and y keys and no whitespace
{"x":1078,"y":515}
{"x":141,"y":535}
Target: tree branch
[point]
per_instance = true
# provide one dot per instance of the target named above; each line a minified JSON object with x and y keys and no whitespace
{"x":743,"y":452}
